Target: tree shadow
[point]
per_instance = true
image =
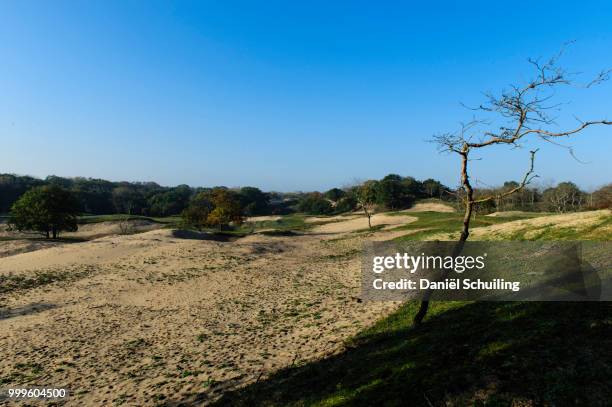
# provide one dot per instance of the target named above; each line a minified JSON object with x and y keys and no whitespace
{"x":6,"y":313}
{"x":193,"y":235}
{"x":464,"y":354}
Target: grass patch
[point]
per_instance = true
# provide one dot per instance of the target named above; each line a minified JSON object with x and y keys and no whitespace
{"x":86,"y":219}
{"x":597,"y":231}
{"x":493,"y":354}
{"x":23,"y":373}
{"x":465,"y":353}
{"x":293,"y":222}
{"x":347,"y":255}
{"x":374,"y":228}
{"x":15,"y":282}
{"x":430,"y":223}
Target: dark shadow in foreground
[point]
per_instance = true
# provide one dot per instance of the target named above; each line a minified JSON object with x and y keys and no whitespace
{"x":6,"y":313}
{"x":492,"y":354}
{"x":193,"y":235}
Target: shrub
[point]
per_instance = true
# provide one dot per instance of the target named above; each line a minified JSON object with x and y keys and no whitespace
{"x":315,"y":204}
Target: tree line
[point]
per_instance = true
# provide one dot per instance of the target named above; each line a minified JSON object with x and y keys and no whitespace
{"x":564,"y":197}
{"x":53,"y":204}
{"x":395,"y":192}
{"x":392,"y":192}
{"x":102,"y":197}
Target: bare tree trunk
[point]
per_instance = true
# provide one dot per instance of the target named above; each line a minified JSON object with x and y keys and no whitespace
{"x":465,"y":231}
{"x":526,"y":107}
{"x":369,"y":216}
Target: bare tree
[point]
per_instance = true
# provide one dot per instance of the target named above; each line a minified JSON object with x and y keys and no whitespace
{"x":519,"y":113}
{"x":366,"y":199}
{"x":126,"y":227}
{"x":564,"y":197}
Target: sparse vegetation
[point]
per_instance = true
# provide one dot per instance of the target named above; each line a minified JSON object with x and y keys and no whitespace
{"x":501,"y":353}
{"x":12,"y":282}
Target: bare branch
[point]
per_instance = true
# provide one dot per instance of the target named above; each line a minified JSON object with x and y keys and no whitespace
{"x":525,"y":108}
{"x":529,"y":176}
{"x":601,"y":77}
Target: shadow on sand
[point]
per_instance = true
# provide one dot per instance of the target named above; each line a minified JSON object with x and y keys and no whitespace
{"x":193,"y":235}
{"x":492,"y":354}
{"x":25,"y":310}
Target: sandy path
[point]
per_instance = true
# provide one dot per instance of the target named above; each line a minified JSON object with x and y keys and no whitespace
{"x":150,"y":318}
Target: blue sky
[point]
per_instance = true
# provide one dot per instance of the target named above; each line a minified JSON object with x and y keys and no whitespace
{"x":284,"y":95}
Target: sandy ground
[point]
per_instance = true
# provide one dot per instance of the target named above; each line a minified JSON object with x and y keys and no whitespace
{"x":337,"y":218}
{"x":430,"y":207}
{"x":355,"y":223}
{"x":94,"y":230}
{"x":12,"y":247}
{"x":35,"y":241}
{"x":263,"y":218}
{"x":577,"y":221}
{"x":382,"y":217}
{"x":163,"y":316}
{"x":507,"y":214}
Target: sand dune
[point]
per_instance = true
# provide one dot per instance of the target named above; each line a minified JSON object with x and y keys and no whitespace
{"x":12,"y":247}
{"x":263,"y":218}
{"x":166,"y":314}
{"x":577,"y":221}
{"x":430,"y":207}
{"x":93,"y":230}
{"x":337,"y":218}
{"x":507,"y":214}
{"x":151,"y":316}
{"x":361,"y":223}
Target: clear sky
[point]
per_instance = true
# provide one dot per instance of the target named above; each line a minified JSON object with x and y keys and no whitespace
{"x":287,"y":95}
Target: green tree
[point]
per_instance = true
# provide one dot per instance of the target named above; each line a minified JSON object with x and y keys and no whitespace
{"x":170,"y":202}
{"x":253,"y":201}
{"x":127,"y":199}
{"x":335,"y":194}
{"x":47,"y":209}
{"x":346,"y":204}
{"x":411,"y":189}
{"x":315,"y":203}
{"x":395,"y":192}
{"x":433,"y":188}
{"x":196,"y":214}
{"x":218,"y":208}
{"x":12,"y":187}
{"x":226,"y":210}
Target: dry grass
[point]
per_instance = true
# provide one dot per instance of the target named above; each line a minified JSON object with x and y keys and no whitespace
{"x":595,"y":225}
